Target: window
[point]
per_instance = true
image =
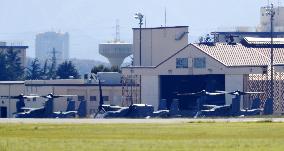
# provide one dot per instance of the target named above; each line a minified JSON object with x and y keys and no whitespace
{"x":81,"y":98}
{"x":105,"y":98}
{"x":181,"y":63}
{"x":199,"y":62}
{"x":93,"y":98}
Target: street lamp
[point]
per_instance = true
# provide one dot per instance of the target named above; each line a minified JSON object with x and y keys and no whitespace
{"x":271,"y":12}
{"x":139,"y":16}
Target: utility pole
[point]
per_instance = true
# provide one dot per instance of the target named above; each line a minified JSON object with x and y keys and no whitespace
{"x":139,"y":16}
{"x":52,"y":71}
{"x":270,"y":11}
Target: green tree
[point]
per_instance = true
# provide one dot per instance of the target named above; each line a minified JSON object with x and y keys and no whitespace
{"x":67,"y":69}
{"x":45,"y":70}
{"x":13,"y":67}
{"x":3,"y":69}
{"x":115,"y":69}
{"x":102,"y":68}
{"x":34,"y":71}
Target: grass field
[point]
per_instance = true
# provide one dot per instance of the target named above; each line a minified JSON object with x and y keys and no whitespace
{"x":147,"y":137}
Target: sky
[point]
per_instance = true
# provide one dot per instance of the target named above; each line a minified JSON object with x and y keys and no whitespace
{"x":90,"y":22}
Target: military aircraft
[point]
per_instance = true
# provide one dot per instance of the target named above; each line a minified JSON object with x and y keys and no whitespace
{"x":234,"y":108}
{"x":223,"y":110}
{"x":46,"y":111}
{"x":201,"y":97}
{"x":237,"y":100}
{"x":20,"y":104}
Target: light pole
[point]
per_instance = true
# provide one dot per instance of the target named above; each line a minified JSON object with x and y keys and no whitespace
{"x":139,"y":16}
{"x":271,"y":12}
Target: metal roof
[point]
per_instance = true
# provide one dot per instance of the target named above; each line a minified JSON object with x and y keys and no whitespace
{"x":263,"y":41}
{"x":163,"y":27}
{"x":240,"y":55}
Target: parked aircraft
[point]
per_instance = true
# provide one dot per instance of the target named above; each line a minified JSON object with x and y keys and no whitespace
{"x":234,"y":108}
{"x":20,"y":104}
{"x":46,"y":111}
{"x":223,"y":110}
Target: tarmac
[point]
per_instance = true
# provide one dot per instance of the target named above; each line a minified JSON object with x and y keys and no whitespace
{"x":132,"y":121}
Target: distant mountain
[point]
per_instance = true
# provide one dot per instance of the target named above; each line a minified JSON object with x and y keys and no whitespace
{"x":83,"y":65}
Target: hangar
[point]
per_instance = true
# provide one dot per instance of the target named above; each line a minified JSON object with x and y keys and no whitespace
{"x":207,"y":65}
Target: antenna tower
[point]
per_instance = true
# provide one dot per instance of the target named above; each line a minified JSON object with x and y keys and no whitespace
{"x":117,"y":31}
{"x":165,"y":17}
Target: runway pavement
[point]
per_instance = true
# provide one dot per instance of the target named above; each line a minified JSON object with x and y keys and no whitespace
{"x":132,"y":121}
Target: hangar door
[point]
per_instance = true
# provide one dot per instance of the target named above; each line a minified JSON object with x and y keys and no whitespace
{"x":3,"y":112}
{"x":172,"y":84}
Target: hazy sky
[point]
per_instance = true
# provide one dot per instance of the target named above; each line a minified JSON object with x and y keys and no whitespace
{"x":90,"y":22}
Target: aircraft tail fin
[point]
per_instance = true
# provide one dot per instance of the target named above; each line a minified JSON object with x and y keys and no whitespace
{"x":70,"y":105}
{"x":268,"y":107}
{"x":82,"y":109}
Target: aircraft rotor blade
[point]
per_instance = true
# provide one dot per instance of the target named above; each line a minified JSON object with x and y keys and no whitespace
{"x":58,"y":96}
{"x":186,"y":94}
{"x":254,"y":92}
{"x":30,"y":96}
{"x":6,"y":97}
{"x":214,"y":93}
{"x":224,"y":92}
{"x":49,"y":96}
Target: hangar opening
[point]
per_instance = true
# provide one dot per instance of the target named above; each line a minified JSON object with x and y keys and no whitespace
{"x":170,"y":85}
{"x":3,"y":112}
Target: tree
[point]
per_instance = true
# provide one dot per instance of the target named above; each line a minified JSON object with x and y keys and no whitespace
{"x":45,"y":70}
{"x":67,"y":69}
{"x":34,"y":71}
{"x":115,"y":69}
{"x":102,"y":68}
{"x":14,"y":69}
{"x":3,"y":69}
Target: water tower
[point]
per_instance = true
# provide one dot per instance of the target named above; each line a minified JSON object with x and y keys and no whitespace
{"x":115,"y":51}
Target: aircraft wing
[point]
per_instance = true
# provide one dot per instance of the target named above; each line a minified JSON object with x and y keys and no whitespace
{"x":224,"y":92}
{"x":30,"y":109}
{"x":31,"y":96}
{"x":5,"y":97}
{"x":215,"y":93}
{"x":68,"y":112}
{"x":9,"y":97}
{"x":58,"y":96}
{"x":210,"y":105}
{"x":254,"y":92}
{"x":185,"y":94}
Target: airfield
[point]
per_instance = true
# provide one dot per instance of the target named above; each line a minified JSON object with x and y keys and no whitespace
{"x":141,"y":134}
{"x":135,"y":121}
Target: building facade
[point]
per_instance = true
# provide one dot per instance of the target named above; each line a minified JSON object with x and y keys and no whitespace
{"x":18,"y":48}
{"x":85,"y":90}
{"x":46,"y":42}
{"x":207,"y":66}
{"x":157,"y":43}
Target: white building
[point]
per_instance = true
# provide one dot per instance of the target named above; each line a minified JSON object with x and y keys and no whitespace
{"x":262,"y":30}
{"x":193,"y":67}
{"x":158,"y":43}
{"x":85,"y":89}
{"x":46,"y":42}
{"x":278,"y":21}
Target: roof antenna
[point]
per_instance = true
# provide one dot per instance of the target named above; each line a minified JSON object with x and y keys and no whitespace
{"x":145,"y":22}
{"x":165,"y":17}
